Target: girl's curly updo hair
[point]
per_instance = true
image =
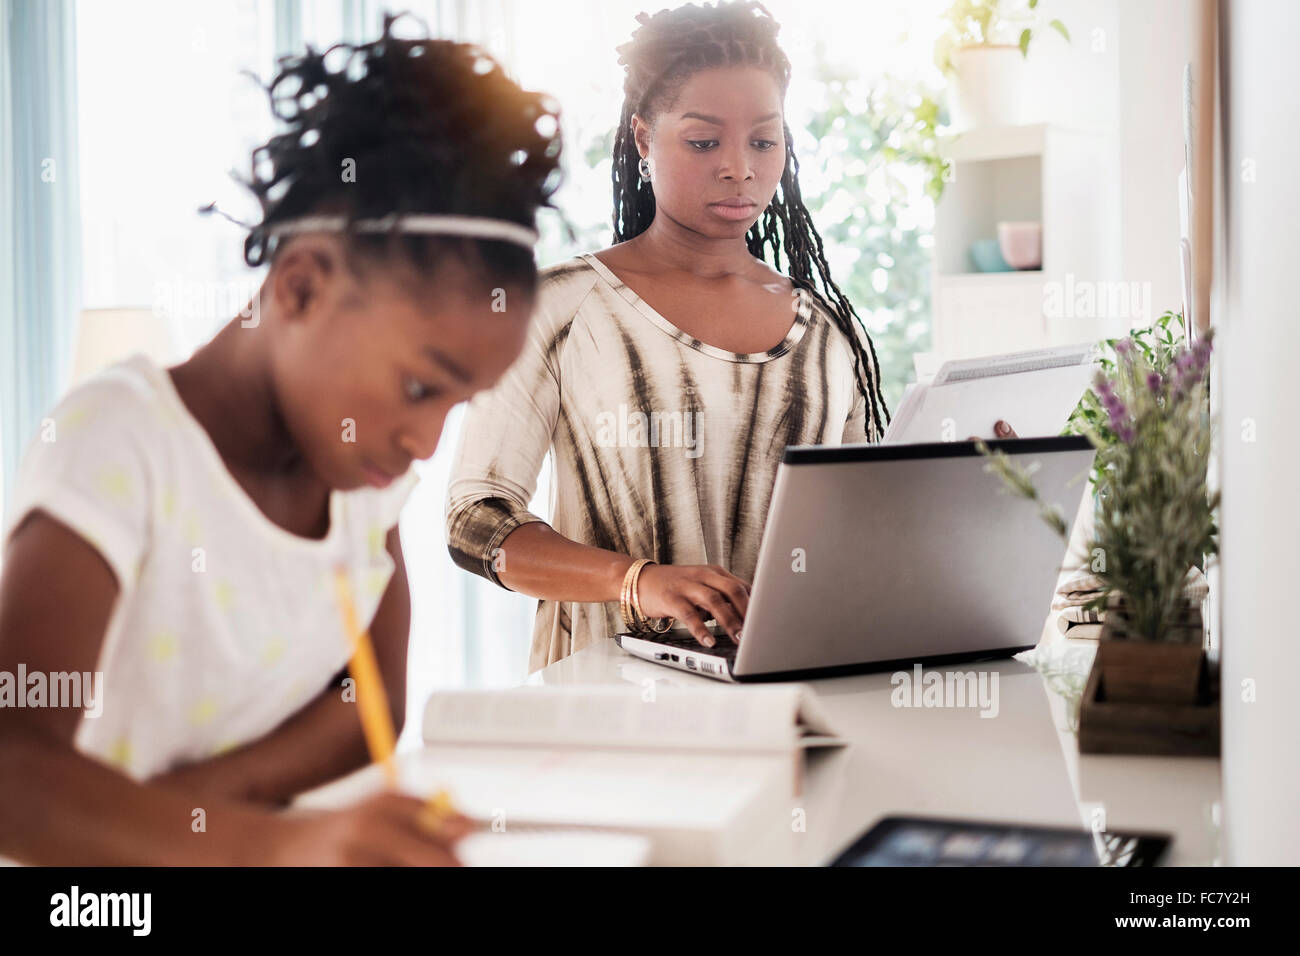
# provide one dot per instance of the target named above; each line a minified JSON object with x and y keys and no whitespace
{"x":402,"y":126}
{"x":664,"y":52}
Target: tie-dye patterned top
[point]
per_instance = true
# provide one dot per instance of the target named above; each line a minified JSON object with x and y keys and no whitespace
{"x":663,"y":446}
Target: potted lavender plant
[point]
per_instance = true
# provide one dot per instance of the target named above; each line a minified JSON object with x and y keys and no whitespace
{"x":1154,"y":517}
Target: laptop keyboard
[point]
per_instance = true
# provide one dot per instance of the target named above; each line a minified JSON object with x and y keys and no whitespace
{"x":725,"y":647}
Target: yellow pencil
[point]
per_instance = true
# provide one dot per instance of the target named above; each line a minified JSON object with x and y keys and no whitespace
{"x":438,"y":809}
{"x":372,"y":699}
{"x":372,"y":702}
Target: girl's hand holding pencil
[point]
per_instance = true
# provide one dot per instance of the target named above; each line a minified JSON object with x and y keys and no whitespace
{"x":391,"y":819}
{"x":389,"y":829}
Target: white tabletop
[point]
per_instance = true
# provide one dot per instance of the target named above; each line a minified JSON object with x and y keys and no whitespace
{"x":1021,"y":765}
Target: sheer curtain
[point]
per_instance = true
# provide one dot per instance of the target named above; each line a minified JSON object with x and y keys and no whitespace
{"x":39,"y":219}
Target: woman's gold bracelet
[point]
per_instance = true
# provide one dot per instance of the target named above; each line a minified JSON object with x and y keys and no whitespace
{"x":629,"y":602}
{"x":625,"y":595}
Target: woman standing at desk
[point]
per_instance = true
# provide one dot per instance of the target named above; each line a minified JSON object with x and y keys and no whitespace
{"x":667,"y":373}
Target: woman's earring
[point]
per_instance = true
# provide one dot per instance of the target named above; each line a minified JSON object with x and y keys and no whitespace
{"x":644,"y":167}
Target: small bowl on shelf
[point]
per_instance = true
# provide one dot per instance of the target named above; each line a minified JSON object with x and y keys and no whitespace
{"x":1021,"y":244}
{"x":985,"y":256}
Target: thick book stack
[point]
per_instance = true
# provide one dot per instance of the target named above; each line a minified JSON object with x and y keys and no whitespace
{"x":707,"y":776}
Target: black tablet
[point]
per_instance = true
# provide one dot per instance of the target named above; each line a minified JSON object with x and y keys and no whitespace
{"x":920,"y":841}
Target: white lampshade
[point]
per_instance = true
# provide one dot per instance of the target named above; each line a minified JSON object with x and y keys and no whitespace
{"x":105,"y":336}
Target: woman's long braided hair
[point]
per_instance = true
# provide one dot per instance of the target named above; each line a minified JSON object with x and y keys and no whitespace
{"x":664,"y":51}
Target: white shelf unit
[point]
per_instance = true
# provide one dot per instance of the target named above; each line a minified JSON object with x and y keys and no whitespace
{"x":1039,"y":172}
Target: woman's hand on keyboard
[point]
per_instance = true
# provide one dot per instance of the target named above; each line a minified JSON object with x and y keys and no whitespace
{"x":694,"y":593}
{"x":1001,"y":429}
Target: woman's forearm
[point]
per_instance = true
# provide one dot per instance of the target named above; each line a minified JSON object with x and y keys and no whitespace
{"x":538,"y":561}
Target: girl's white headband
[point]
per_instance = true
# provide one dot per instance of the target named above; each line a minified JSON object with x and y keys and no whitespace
{"x":476,"y":227}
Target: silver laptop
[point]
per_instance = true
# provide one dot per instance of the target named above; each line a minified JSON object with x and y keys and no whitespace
{"x":878,"y":556}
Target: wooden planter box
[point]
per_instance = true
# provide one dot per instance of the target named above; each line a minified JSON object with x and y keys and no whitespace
{"x":1150,"y":698}
{"x":1141,"y":671}
{"x":1108,"y":726}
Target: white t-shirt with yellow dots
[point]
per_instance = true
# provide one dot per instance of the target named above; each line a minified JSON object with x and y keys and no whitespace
{"x":226,"y":623}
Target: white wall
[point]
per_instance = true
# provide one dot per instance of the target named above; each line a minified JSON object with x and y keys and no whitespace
{"x":1121,"y":76}
{"x":1133,"y":88}
{"x":1155,"y":41}
{"x":1256,"y":370}
{"x":1077,"y":85}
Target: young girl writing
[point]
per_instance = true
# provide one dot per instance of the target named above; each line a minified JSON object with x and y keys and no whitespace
{"x":179,"y":529}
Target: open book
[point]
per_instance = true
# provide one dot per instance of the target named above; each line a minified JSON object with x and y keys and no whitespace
{"x":760,"y":718}
{"x":1035,"y":391}
{"x":707,"y":775}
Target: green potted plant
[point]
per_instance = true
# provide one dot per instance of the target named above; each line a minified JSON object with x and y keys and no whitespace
{"x":1159,"y":345}
{"x":1147,"y":414}
{"x":983,"y":47}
